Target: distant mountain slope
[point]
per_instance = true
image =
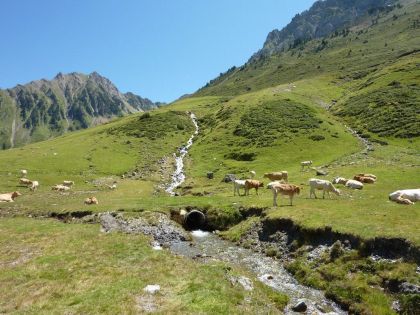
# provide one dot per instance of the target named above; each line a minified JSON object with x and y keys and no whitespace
{"x":323,"y":18}
{"x":43,"y":109}
{"x":373,"y":66}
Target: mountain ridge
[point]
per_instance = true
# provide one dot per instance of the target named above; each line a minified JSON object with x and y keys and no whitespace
{"x":42,"y":109}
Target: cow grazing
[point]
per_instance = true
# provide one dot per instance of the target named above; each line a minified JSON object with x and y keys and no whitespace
{"x":9,"y":197}
{"x":23,"y":173}
{"x":252,"y":174}
{"x":411,"y":195}
{"x":34,"y":186}
{"x":285,"y":190}
{"x":277,"y":176}
{"x":251,"y":183}
{"x":306,"y":164}
{"x":91,"y":201}
{"x":238,"y":184}
{"x":364,"y":179}
{"x":322,"y":184}
{"x":25,"y":181}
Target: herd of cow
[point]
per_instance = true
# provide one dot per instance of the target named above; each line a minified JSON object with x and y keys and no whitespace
{"x":33,"y":185}
{"x":279,"y":186}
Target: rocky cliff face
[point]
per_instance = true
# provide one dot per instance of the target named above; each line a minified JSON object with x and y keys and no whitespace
{"x":43,"y":109}
{"x":322,"y":19}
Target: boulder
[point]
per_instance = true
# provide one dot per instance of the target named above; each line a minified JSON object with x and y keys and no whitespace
{"x":321,"y":172}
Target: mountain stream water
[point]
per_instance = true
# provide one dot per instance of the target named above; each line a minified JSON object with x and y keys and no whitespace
{"x":178,"y":177}
{"x":208,"y":246}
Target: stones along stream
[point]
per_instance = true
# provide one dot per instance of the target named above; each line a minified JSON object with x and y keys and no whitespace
{"x":207,"y":246}
{"x":178,"y":177}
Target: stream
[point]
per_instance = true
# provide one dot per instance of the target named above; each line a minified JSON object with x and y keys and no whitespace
{"x":208,"y":246}
{"x":178,"y":177}
{"x":366,"y":143}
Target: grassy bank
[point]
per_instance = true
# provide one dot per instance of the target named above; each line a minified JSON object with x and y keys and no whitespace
{"x":50,"y":267}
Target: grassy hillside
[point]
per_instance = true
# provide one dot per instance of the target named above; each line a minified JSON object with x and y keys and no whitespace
{"x":364,"y":61}
{"x":268,"y":115}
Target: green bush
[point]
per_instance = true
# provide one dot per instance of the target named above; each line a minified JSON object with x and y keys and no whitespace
{"x":316,"y":137}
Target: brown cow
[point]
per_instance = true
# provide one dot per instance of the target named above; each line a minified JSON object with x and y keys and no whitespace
{"x":286,"y":190}
{"x":364,"y":179}
{"x":367,"y":175}
{"x":91,"y":201}
{"x":277,"y":176}
{"x":251,"y":183}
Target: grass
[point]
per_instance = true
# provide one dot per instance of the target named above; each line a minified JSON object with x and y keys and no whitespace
{"x":50,"y":267}
{"x":367,"y":213}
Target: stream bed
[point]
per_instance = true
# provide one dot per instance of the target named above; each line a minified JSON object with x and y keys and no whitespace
{"x":178,"y":177}
{"x":207,"y":246}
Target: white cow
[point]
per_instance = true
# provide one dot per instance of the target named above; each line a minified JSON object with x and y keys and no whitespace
{"x":9,"y":197}
{"x":237,"y":184}
{"x":412,"y":195}
{"x":321,"y":184}
{"x":34,"y":186}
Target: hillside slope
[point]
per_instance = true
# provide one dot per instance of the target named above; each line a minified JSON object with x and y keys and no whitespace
{"x":43,"y":109}
{"x":381,"y":53}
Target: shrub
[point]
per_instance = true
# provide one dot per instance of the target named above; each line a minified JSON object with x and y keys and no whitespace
{"x":145,"y":115}
{"x":241,"y":156}
{"x":316,"y":137}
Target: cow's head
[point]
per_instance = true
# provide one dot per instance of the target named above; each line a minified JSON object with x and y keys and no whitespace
{"x":16,"y":194}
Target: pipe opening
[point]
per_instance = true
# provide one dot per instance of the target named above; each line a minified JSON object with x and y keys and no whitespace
{"x":195,"y":220}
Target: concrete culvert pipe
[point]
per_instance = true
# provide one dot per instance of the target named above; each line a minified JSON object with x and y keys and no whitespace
{"x":194,"y":220}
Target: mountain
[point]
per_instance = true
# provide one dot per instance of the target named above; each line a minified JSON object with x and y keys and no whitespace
{"x":371,"y":68}
{"x":42,"y":109}
{"x":323,"y":18}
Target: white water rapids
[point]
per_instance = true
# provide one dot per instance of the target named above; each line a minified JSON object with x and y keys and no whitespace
{"x":178,"y":177}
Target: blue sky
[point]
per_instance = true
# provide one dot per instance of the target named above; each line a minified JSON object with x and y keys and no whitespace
{"x":160,"y":49}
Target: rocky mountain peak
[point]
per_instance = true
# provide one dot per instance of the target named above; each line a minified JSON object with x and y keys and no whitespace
{"x":323,"y":18}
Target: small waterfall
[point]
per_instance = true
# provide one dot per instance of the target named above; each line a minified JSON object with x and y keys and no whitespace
{"x":178,"y":177}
